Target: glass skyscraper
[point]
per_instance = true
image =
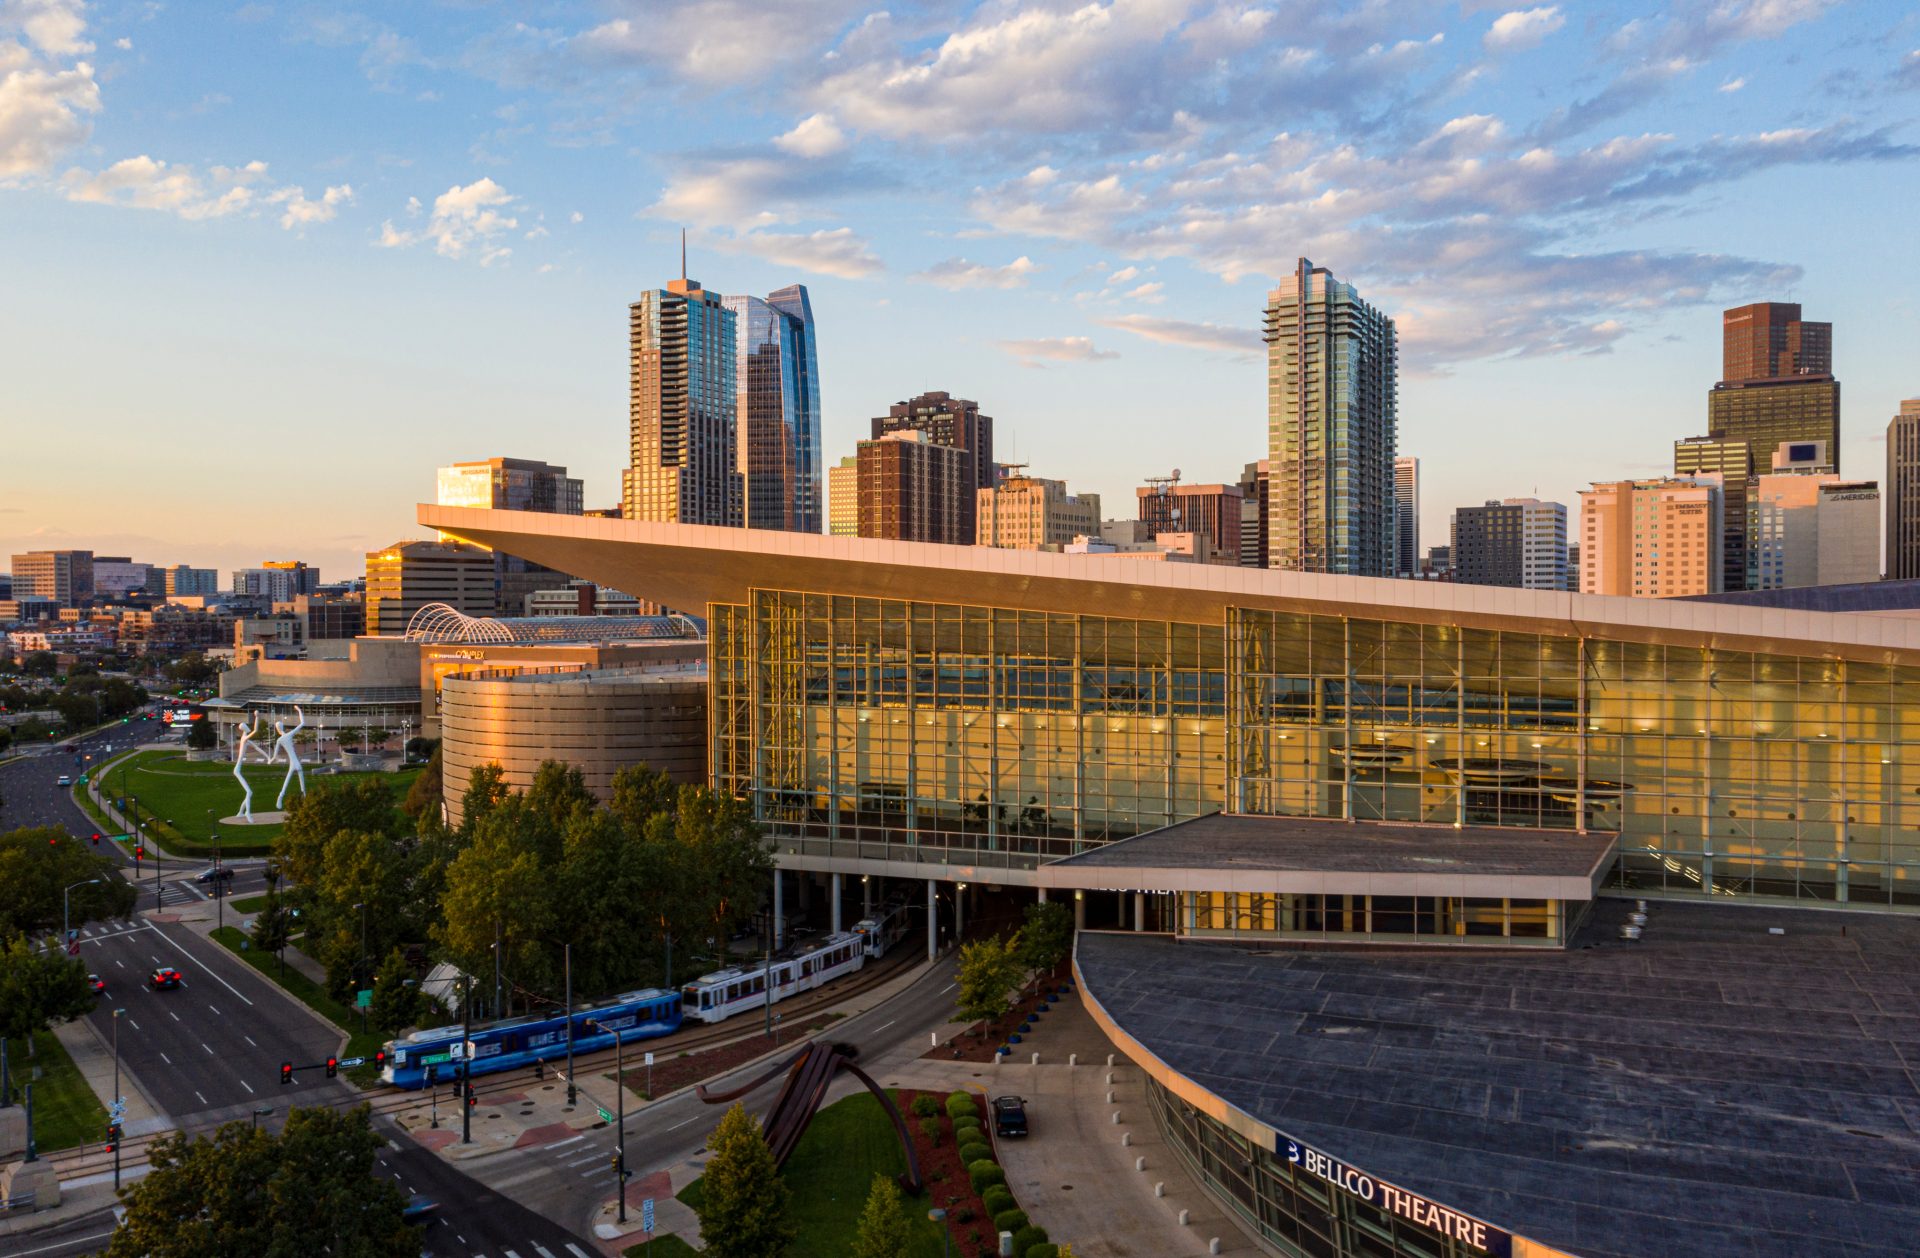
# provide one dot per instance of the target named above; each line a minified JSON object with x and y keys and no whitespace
{"x":1332,"y":370}
{"x":777,"y":431}
{"x":684,"y":466}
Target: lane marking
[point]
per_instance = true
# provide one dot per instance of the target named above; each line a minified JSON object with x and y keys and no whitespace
{"x":591,"y":1157}
{"x":542,"y":1250}
{"x":248,"y":1039}
{"x":203,"y":1100}
{"x":575,"y":1250}
{"x":65,"y":1244}
{"x":677,"y":1126}
{"x":173,"y":1015}
{"x":210,"y":1052}
{"x":884,"y":1025}
{"x":216,"y":1010}
{"x":167,"y":1059}
{"x":122,"y":964}
{"x":247,"y":1086}
{"x":561,"y":1144}
{"x":133,"y":1024}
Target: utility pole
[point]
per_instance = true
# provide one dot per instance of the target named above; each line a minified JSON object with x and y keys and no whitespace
{"x":766,"y":977}
{"x":66,"y":924}
{"x":363,"y":963}
{"x":466,"y":1058}
{"x":116,"y":1093}
{"x":567,"y":953}
{"x":620,"y":1111}
{"x":496,"y":968}
{"x":220,"y":899}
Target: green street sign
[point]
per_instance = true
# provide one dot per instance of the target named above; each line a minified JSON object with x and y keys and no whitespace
{"x":363,"y":999}
{"x":604,"y":1116}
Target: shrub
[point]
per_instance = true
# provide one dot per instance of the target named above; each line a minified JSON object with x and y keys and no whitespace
{"x":996,"y":1199}
{"x":1048,"y":1250}
{"x":982,"y":1174}
{"x":960,"y":1105}
{"x":965,"y":1124}
{"x":963,"y":1214}
{"x":925,"y":1106}
{"x":930,"y":1127}
{"x":1010,"y":1220}
{"x":971,"y":1153}
{"x":1027,"y":1239}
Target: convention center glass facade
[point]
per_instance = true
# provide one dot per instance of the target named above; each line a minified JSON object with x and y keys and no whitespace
{"x":949,"y":733}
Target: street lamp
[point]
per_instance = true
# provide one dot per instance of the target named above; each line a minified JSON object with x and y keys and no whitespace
{"x":259,"y":1112}
{"x":940,"y":1216}
{"x":620,"y":1104}
{"x":219,"y":900}
{"x":363,"y":963}
{"x":66,"y":926}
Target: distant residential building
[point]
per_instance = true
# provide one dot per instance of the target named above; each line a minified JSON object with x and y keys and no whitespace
{"x":279,"y":581}
{"x":777,"y":410}
{"x":79,"y":640}
{"x":65,"y":576}
{"x":331,"y":616}
{"x":1254,"y":505}
{"x":183,"y":581}
{"x":1406,"y":516}
{"x":684,"y":458}
{"x":172,"y":630}
{"x":1651,"y":538}
{"x":1439,"y":564}
{"x":843,"y":497}
{"x":954,"y":422}
{"x":1210,"y":510}
{"x":30,"y":610}
{"x":1023,"y":512}
{"x":1130,"y":539}
{"x":1332,"y":372}
{"x":912,"y":488}
{"x":1732,"y":460}
{"x":406,"y":576}
{"x":1516,"y":542}
{"x":1903,"y":493}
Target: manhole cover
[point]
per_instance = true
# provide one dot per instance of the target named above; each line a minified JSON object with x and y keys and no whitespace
{"x":1066,"y":1188}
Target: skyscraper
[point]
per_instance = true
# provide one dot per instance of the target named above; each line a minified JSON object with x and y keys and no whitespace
{"x":1253,"y":515}
{"x":1406,"y":516}
{"x":406,"y":576}
{"x":1768,"y":338}
{"x":777,"y":425}
{"x":685,"y":461}
{"x":948,"y":421}
{"x":509,"y":485}
{"x":912,"y":487}
{"x":65,"y":576}
{"x":1732,"y":461}
{"x":1024,"y":512}
{"x":1331,"y":410}
{"x":843,"y":497}
{"x":1777,"y":384}
{"x":1903,"y":493}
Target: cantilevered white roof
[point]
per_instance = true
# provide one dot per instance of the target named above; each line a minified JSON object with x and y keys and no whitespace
{"x":687,"y":566}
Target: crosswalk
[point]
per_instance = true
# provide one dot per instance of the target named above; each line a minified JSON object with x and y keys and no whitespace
{"x":583,"y":1157}
{"x":538,"y":1250}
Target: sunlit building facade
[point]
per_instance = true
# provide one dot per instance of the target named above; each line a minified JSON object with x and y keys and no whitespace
{"x":683,"y":456}
{"x":777,"y":396}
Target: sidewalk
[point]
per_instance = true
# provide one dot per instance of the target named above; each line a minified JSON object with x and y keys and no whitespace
{"x":94,"y":1058}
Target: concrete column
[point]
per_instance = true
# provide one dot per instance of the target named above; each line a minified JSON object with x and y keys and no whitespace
{"x":833,"y":885}
{"x":959,"y":910}
{"x":1079,"y":910}
{"x":779,"y":909}
{"x":933,"y":923}
{"x":1139,"y":910}
{"x":866,"y":896}
{"x":803,"y":883}
{"x":1043,"y":895}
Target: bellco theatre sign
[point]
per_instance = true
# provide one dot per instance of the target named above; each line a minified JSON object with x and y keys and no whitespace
{"x":1410,"y":1206}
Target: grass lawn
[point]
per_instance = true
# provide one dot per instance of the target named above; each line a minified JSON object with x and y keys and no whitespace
{"x":312,"y":995}
{"x":65,"y":1110}
{"x":830,"y":1174}
{"x":186,"y":799}
{"x":252,"y":904}
{"x":662,"y":1247}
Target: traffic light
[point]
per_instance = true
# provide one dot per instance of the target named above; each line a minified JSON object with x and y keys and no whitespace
{"x":333,"y":1066}
{"x":613,"y":1163}
{"x":53,"y":841}
{"x":286,"y":1073}
{"x":379,"y":1058}
{"x":139,"y":851}
{"x":96,"y":840}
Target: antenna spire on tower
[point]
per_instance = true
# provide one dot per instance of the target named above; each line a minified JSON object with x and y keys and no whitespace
{"x":683,"y":253}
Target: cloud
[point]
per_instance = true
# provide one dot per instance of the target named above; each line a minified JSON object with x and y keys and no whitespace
{"x":816,"y":136}
{"x":758,"y":187}
{"x":1732,"y":85}
{"x":1207,"y":336}
{"x":1908,"y":74}
{"x":146,"y":183}
{"x":1523,"y":29}
{"x":300,"y":212}
{"x":716,"y":43}
{"x":467,"y":220}
{"x":1059,"y":349}
{"x":958,"y":273}
{"x":836,"y":251}
{"x":54,"y":27}
{"x":43,"y":113}
{"x":1146,"y":292}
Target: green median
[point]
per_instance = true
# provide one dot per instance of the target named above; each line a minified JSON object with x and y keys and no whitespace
{"x":65,"y":1110}
{"x":313,"y":996}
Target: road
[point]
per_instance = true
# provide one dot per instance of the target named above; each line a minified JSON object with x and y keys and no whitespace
{"x":210,"y":1050}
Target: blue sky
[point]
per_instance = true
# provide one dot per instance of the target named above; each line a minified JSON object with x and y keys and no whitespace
{"x":264,"y":266}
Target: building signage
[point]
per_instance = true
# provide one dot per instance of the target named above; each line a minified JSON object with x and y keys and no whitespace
{"x":1445,"y":1220}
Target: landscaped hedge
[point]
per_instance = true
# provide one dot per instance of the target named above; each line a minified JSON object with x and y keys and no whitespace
{"x":975,"y":1152}
{"x":963,"y":1123}
{"x":1048,"y":1250}
{"x":925,"y":1106}
{"x":1010,"y":1220}
{"x":1027,"y":1239}
{"x":983,"y":1174}
{"x":997,"y":1198}
{"x":960,"y":1105}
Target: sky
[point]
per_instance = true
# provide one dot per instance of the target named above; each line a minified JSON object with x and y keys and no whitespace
{"x":264,"y":266}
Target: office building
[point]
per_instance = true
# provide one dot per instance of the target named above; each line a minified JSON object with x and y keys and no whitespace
{"x":582,"y":598}
{"x":407,"y":576}
{"x":1332,"y":372}
{"x":1518,"y":542}
{"x":1768,"y":339}
{"x":1253,"y":515}
{"x":1733,"y":462}
{"x":509,"y":485}
{"x":843,"y":497}
{"x":1807,"y":526}
{"x":912,"y":488}
{"x":1439,"y":564}
{"x":1651,"y":538}
{"x":1903,"y":493}
{"x":1406,"y":516}
{"x":777,"y":416}
{"x":280,"y":581}
{"x":117,"y":576}
{"x":954,"y":422}
{"x":1024,"y":512}
{"x":683,"y":408}
{"x":65,"y":576}
{"x":181,"y":581}
{"x":1764,"y":413}
{"x":1210,"y":510}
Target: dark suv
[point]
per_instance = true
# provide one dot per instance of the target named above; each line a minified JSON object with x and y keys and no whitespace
{"x":1010,"y":1117}
{"x":223,"y":873}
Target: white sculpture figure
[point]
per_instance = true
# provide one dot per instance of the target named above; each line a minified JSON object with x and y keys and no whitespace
{"x":239,"y":760}
{"x":285,"y":743}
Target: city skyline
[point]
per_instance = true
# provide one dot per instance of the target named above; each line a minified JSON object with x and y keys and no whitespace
{"x":1612,"y":144}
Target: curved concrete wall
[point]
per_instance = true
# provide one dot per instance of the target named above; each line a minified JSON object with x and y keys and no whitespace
{"x":600,"y":722}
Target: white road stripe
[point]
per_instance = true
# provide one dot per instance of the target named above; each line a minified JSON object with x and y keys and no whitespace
{"x":509,"y":1253}
{"x":133,"y":1024}
{"x":542,"y":1250}
{"x":173,"y":1015}
{"x":70,"y":1241}
{"x":591,"y":1157}
{"x":575,"y":1250}
{"x":248,"y":1039}
{"x":216,"y":1009}
{"x":677,"y":1126}
{"x":247,"y":1086}
{"x":216,"y":978}
{"x":210,"y":1052}
{"x":561,"y":1144}
{"x":167,"y":1059}
{"x":122,"y":964}
{"x":203,"y":1100}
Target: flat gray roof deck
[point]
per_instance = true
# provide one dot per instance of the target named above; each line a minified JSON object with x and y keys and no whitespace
{"x":1711,"y":1089}
{"x":1236,"y":852}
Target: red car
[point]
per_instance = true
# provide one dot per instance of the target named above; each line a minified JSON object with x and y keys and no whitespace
{"x":97,"y":983}
{"x":165,"y":976}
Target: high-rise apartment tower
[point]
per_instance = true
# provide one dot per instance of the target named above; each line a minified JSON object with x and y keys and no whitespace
{"x":948,"y":421}
{"x":684,"y":462}
{"x":1332,"y":376}
{"x":777,"y":397}
{"x":1406,"y":516}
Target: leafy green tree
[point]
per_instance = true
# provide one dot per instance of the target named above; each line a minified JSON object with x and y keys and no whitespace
{"x":201,"y":736}
{"x":1046,"y":937}
{"x":883,"y":1224}
{"x":248,"y":1193}
{"x":37,"y":862}
{"x":362,"y":804}
{"x":396,"y":1004}
{"x":640,"y":794}
{"x":486,"y":790}
{"x":38,"y":987}
{"x":193,"y":670}
{"x":39,"y":664}
{"x":273,"y":928}
{"x":424,"y":795}
{"x":743,"y":1210}
{"x":368,"y":870}
{"x":989,"y":972}
{"x":498,"y":889}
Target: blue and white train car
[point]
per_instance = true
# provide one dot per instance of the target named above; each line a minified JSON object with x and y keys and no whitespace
{"x":723,"y":993}
{"x":884,"y":929}
{"x":524,"y":1041}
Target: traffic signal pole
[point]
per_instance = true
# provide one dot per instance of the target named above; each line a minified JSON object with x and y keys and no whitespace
{"x":466,"y":1060}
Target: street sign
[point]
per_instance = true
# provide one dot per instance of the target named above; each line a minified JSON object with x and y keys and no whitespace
{"x":649,"y":1059}
{"x":646,"y":1215}
{"x":346,"y":1062}
{"x":604,"y":1116}
{"x":363,"y":998}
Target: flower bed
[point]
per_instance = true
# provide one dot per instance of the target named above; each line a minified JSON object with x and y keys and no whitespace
{"x":946,"y":1179}
{"x":980,"y":1041}
{"x":679,"y":1072}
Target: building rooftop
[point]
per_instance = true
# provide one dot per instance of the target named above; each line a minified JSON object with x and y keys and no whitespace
{"x":1711,"y":1089}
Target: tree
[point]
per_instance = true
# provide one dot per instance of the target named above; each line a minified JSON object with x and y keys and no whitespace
{"x":883,"y":1224}
{"x":989,"y":972}
{"x":39,"y":664}
{"x":309,"y":1189}
{"x":363,"y":804}
{"x":424,"y":794}
{"x":1046,"y":937}
{"x":201,"y":736}
{"x":36,"y":863}
{"x":273,"y":928}
{"x":193,"y":670}
{"x":743,"y":1211}
{"x":396,"y":1002}
{"x":38,"y":987}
